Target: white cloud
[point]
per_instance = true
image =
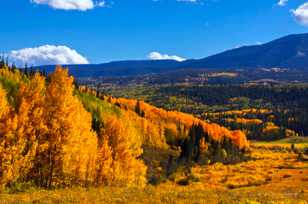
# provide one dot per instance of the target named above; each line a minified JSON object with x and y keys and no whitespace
{"x":159,"y":56}
{"x":46,"y":55}
{"x":82,"y":5}
{"x":101,"y":4}
{"x":301,"y":14}
{"x":282,"y":2}
{"x":244,"y":45}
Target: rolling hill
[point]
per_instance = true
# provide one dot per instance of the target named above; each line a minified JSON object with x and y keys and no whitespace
{"x":287,"y":52}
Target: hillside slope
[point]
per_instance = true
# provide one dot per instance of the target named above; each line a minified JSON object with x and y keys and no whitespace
{"x":287,"y":52}
{"x":55,"y":135}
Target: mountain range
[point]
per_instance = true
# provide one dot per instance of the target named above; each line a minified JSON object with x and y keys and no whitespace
{"x":289,"y":52}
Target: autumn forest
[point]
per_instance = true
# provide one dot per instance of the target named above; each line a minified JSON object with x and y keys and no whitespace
{"x":154,"y":102}
{"x":57,"y":134}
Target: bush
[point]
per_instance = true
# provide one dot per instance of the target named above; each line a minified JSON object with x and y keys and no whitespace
{"x":156,"y":180}
{"x":19,"y":187}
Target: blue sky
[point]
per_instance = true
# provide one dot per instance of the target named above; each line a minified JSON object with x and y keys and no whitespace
{"x":132,"y":29}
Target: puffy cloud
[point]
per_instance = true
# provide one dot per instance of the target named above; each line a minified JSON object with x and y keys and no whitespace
{"x":82,"y":5}
{"x":301,"y":14}
{"x":282,"y":2}
{"x":159,"y":56}
{"x":46,"y":55}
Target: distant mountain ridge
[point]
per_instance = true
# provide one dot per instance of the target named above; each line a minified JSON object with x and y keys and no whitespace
{"x":287,"y":52}
{"x":118,"y":68}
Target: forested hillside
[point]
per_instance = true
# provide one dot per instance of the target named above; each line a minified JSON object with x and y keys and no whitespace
{"x":264,"y":112}
{"x":54,"y":133}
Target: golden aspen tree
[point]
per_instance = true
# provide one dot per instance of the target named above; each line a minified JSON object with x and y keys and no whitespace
{"x":30,"y":123}
{"x":8,"y":124}
{"x":68,"y":151}
{"x":104,"y":161}
{"x":127,"y":168}
{"x":21,"y":128}
{"x":3,"y":103}
{"x":6,"y":73}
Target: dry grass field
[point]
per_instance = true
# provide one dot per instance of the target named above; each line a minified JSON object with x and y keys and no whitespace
{"x":272,"y":175}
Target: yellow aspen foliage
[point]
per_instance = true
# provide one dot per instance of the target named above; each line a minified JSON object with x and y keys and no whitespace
{"x":8,"y":74}
{"x":8,"y":124}
{"x":30,"y":125}
{"x":244,"y":121}
{"x":46,"y":134}
{"x":184,"y":122}
{"x":126,"y":168}
{"x":151,"y":134}
{"x":20,"y":130}
{"x":104,"y":161}
{"x":67,"y":153}
{"x":3,"y":103}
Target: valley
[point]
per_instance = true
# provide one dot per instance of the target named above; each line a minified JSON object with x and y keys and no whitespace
{"x":154,"y":102}
{"x":240,"y":143}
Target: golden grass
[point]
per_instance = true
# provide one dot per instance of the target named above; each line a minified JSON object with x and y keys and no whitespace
{"x":273,"y":175}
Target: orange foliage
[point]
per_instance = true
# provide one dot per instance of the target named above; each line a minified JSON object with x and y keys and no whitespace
{"x":123,"y":145}
{"x":20,"y":131}
{"x":10,"y":75}
{"x":47,"y":136}
{"x":67,"y":152}
{"x":242,"y":112}
{"x":186,"y":121}
{"x":8,"y":123}
{"x":245,"y":121}
{"x":4,"y":109}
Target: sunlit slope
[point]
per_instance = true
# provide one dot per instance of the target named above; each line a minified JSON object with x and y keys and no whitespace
{"x":54,"y":134}
{"x":178,"y":124}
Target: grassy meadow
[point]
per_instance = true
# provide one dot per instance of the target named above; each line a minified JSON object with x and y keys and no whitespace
{"x":273,"y":174}
{"x":60,"y":144}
